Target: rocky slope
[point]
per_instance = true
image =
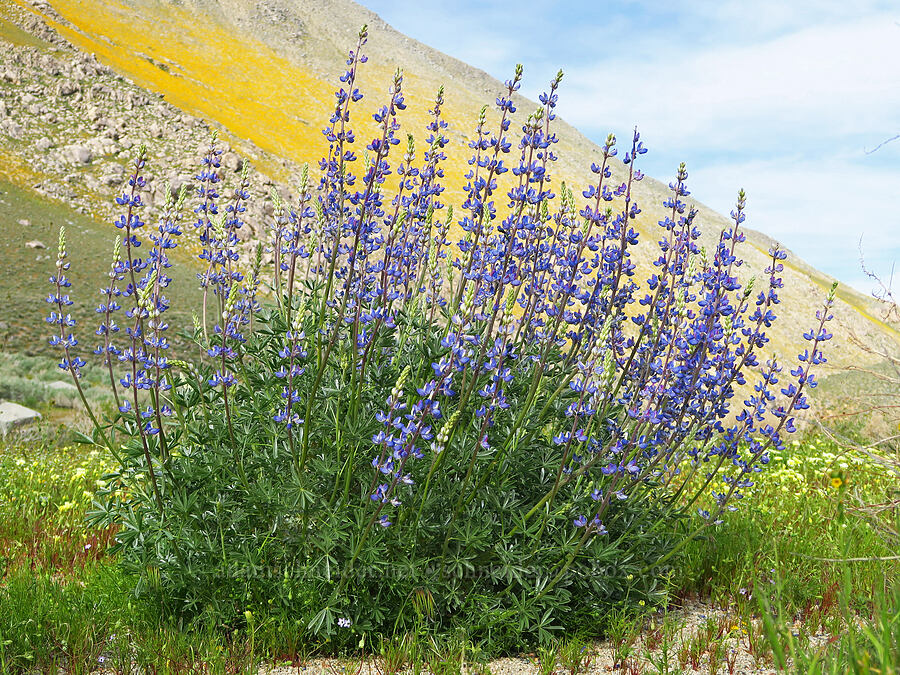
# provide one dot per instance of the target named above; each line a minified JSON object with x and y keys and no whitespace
{"x":82,"y":83}
{"x":71,"y":125}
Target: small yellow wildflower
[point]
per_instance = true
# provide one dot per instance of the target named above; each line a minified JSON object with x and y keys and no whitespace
{"x":836,"y":482}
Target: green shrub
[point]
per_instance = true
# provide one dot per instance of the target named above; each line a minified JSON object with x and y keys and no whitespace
{"x":503,"y":433}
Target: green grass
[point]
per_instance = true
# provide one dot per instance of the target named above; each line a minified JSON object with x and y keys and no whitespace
{"x":65,"y":603}
{"x":27,"y":379}
{"x":11,"y":33}
{"x":773,"y":571}
{"x":807,"y":568}
{"x":800,"y":513}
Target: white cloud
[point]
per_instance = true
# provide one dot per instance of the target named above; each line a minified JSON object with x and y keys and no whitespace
{"x":819,"y":210}
{"x":814,"y":85}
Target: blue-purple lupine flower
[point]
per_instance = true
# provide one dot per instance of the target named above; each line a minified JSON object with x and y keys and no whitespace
{"x":107,"y":308}
{"x":207,"y":209}
{"x":292,"y":356}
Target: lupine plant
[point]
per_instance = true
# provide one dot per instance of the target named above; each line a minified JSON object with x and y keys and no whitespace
{"x":444,"y":416}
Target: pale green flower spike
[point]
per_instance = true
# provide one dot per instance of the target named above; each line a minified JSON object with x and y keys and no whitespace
{"x":182,"y":196}
{"x":232,"y":298}
{"x":61,"y":246}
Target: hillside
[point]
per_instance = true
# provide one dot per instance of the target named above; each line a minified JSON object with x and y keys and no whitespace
{"x":84,"y":83}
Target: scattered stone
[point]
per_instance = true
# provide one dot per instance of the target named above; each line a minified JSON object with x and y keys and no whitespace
{"x":114,"y":176}
{"x":35,"y":243}
{"x":111,"y":133}
{"x":14,"y":415}
{"x":74,"y":119}
{"x":77,"y":154}
{"x":68,"y":88}
{"x":101,"y":146}
{"x":24,"y":222}
{"x":99,"y":91}
{"x":50,"y":66}
{"x":175,"y":183}
{"x":232,"y":161}
{"x":65,"y":394}
{"x":12,"y":129}
{"x":62,"y":386}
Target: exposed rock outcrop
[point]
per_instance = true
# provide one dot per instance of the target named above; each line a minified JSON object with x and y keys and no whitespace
{"x":77,"y":125}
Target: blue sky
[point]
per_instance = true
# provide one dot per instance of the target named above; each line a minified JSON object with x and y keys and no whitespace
{"x":781,"y":98}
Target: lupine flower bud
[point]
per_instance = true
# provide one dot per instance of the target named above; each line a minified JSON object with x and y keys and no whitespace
{"x":146,"y":292}
{"x":219,"y":227}
{"x":320,"y":213}
{"x":398,"y":224}
{"x":397,"y":391}
{"x":304,"y":179}
{"x":182,"y":197}
{"x":469,"y":302}
{"x":680,"y":309}
{"x":277,"y":202}
{"x":232,"y":298}
{"x":482,"y":116}
{"x":117,"y":256}
{"x":511,"y":296}
{"x":443,"y":436}
{"x":61,"y":247}
{"x":167,"y":191}
{"x":727,"y":326}
{"x":749,"y":290}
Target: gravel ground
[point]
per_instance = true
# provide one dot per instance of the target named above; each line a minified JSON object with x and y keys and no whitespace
{"x":643,"y":656}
